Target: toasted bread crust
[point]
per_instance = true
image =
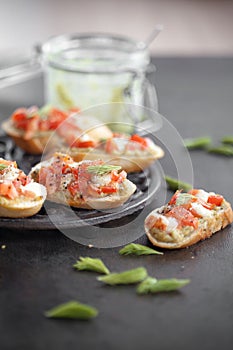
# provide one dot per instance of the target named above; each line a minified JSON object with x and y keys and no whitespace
{"x":213,"y":225}
{"x":9,"y":211}
{"x":108,"y":202}
{"x":130,"y":164}
{"x":35,"y":145}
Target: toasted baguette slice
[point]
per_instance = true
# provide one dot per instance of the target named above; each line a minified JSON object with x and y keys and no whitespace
{"x":130,"y":155}
{"x":19,"y":196}
{"x":187,"y":219}
{"x":72,"y":183}
{"x":35,"y":145}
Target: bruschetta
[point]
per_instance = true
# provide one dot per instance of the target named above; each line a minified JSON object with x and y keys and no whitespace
{"x":187,"y":219}
{"x":31,"y":128}
{"x":20,"y":196}
{"x":133,"y":153}
{"x":83,"y":128}
{"x":87,"y":184}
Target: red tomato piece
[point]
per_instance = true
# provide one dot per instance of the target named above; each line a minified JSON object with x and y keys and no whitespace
{"x":108,"y":189}
{"x":8,"y":190}
{"x":56,"y":117}
{"x":194,"y":192}
{"x":114,"y":176}
{"x":215,"y":199}
{"x":84,"y":144}
{"x":174,"y":197}
{"x":138,"y":139}
{"x":73,"y":187}
{"x":183,"y":216}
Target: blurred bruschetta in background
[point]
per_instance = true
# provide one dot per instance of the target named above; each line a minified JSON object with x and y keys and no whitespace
{"x":31,"y":128}
{"x":132,"y":152}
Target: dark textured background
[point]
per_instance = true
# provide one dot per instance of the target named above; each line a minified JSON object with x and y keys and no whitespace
{"x":36,"y":267}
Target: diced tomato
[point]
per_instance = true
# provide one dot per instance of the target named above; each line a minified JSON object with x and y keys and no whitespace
{"x":138,"y":139}
{"x":31,"y":121}
{"x":7,"y":189}
{"x":174,"y":197}
{"x":108,"y":189}
{"x":83,"y":144}
{"x":215,"y":199}
{"x":66,"y":169}
{"x":44,"y":125}
{"x":26,"y":119}
{"x":19,"y":117}
{"x":114,"y":176}
{"x":73,"y":187}
{"x":118,"y":177}
{"x":194,"y":192}
{"x":205,"y":204}
{"x":122,"y":176}
{"x":183,"y":216}
{"x":31,"y":127}
{"x":56,"y":117}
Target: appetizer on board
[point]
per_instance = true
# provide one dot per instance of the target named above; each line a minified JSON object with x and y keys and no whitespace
{"x":133,"y":153}
{"x":20,"y":196}
{"x":187,"y":219}
{"x":87,"y":184}
{"x":31,"y":128}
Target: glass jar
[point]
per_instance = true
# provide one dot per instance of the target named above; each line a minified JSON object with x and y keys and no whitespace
{"x":84,"y":70}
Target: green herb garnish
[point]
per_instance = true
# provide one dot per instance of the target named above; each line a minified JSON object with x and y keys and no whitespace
{"x":126,"y":277}
{"x":3,"y":166}
{"x":197,"y":143}
{"x":102,"y":169}
{"x":137,"y":249}
{"x":175,"y":184}
{"x":225,"y":150}
{"x":151,"y":285}
{"x":227,"y":140}
{"x":91,"y":264}
{"x":146,"y":285}
{"x":72,"y":310}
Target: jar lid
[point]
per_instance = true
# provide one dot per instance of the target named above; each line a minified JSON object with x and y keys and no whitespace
{"x":95,"y":53}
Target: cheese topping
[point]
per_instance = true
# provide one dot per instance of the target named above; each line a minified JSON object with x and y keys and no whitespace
{"x":39,"y":190}
{"x":201,"y":210}
{"x":10,"y":173}
{"x":203,"y":195}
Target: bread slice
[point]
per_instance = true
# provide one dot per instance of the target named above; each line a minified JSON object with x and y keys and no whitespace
{"x":25,"y":197}
{"x":81,"y":198}
{"x":131,"y":162}
{"x":35,"y":145}
{"x":163,"y":231}
{"x":26,"y":208}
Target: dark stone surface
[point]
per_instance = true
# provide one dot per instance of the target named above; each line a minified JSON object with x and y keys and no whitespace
{"x":36,"y":272}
